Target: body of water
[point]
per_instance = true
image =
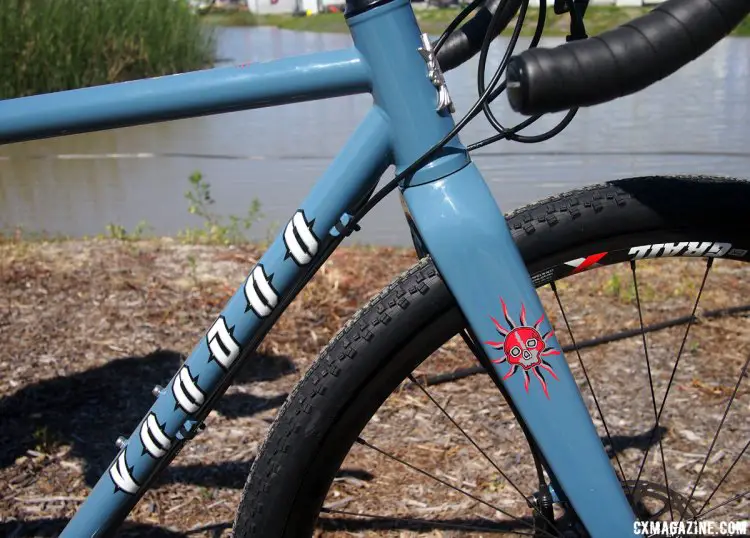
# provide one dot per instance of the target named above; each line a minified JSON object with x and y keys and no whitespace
{"x":697,"y":121}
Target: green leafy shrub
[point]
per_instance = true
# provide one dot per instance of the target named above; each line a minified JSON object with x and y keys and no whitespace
{"x":216,"y":228}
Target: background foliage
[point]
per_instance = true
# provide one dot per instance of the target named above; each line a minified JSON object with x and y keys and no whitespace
{"x":53,"y":45}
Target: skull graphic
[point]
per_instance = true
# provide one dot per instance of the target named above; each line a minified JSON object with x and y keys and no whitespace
{"x":523,"y":347}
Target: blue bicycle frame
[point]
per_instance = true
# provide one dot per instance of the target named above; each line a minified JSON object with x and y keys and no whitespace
{"x":455,"y":215}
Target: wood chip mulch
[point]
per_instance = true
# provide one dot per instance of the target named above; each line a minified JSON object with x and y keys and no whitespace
{"x":91,"y":326}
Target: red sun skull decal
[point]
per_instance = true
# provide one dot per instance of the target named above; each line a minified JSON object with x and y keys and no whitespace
{"x":524,"y":348}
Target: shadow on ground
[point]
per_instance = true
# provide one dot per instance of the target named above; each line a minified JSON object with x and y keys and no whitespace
{"x":522,"y":526}
{"x":91,"y":409}
{"x":229,"y":475}
{"x":641,"y":441}
{"x":48,"y":528}
{"x":52,"y":527}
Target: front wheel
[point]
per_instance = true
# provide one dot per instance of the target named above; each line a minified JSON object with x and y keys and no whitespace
{"x":374,"y":441}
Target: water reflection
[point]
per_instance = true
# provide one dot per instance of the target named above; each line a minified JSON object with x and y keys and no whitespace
{"x":696,"y":121}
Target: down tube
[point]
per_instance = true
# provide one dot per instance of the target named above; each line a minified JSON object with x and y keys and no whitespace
{"x":467,"y":236}
{"x":180,"y":408}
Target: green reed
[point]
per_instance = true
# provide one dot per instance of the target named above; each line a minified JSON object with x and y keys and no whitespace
{"x":53,"y":45}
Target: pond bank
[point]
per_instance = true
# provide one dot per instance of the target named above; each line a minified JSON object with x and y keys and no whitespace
{"x":598,"y":19}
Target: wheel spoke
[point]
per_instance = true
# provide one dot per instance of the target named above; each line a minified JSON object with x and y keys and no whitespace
{"x":588,"y":382}
{"x":691,"y":320}
{"x":481,"y":451}
{"x":431,"y":523}
{"x":702,"y":516}
{"x":405,"y":463}
{"x":657,"y":414}
{"x":723,"y":478}
{"x":653,"y":398}
{"x":718,"y":430}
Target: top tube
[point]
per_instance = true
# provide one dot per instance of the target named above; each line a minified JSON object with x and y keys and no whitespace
{"x":199,"y":93}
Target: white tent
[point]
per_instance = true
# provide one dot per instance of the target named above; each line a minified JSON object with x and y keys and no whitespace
{"x":283,"y":6}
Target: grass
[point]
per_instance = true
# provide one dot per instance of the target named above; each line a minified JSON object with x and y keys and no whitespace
{"x":598,"y":19}
{"x":230,"y":17}
{"x":54,"y":45}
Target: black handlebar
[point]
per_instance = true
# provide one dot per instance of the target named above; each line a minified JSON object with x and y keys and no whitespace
{"x":621,"y":61}
{"x":466,"y":41}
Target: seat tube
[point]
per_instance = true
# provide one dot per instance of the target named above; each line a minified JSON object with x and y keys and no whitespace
{"x":465,"y":232}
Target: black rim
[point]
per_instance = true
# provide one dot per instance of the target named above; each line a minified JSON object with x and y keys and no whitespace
{"x":535,"y":522}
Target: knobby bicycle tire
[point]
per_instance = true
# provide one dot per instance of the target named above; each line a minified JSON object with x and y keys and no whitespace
{"x":416,"y":314}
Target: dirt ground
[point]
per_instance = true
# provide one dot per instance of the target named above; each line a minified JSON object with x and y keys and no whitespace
{"x":90,"y":327}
